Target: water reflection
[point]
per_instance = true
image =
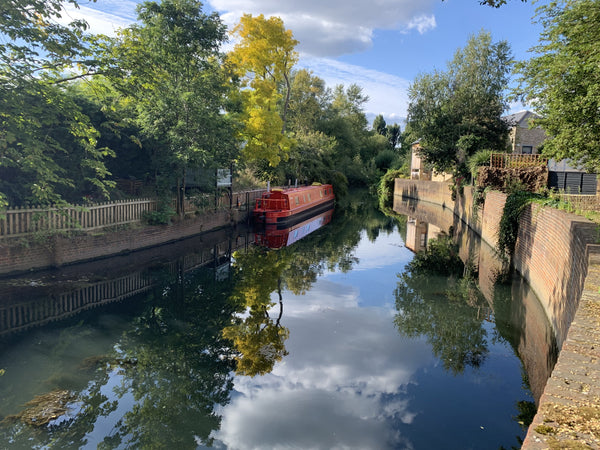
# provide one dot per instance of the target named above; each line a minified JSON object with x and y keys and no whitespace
{"x":273,"y":236}
{"x":295,"y":347}
{"x":517,"y":313}
{"x":148,"y":372}
{"x":438,"y":299}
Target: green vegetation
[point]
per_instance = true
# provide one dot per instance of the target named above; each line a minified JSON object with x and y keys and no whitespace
{"x":458,"y":112}
{"x":434,"y":299}
{"x":561,"y":81}
{"x":160,"y":104}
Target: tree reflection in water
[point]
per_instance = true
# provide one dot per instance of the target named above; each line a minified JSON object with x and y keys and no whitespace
{"x":256,"y":331}
{"x":159,"y":385}
{"x":434,"y":299}
{"x":157,"y":379}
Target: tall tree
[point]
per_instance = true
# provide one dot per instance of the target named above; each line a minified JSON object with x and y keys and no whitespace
{"x":392,"y":132}
{"x":170,"y":67}
{"x":37,"y":115}
{"x":379,"y":125}
{"x":458,"y":112}
{"x":562,"y":81}
{"x":264,"y":58}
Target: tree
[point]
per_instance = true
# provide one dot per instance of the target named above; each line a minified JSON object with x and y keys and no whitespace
{"x":170,"y":68}
{"x":309,"y":99}
{"x":458,"y":112}
{"x":392,"y":132}
{"x":379,"y":125}
{"x":264,"y":58}
{"x":562,"y":81}
{"x":39,"y":120}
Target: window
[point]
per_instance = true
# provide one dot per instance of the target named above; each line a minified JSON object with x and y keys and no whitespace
{"x":297,"y":200}
{"x":309,"y":197}
{"x":527,"y":149}
{"x":321,"y":194}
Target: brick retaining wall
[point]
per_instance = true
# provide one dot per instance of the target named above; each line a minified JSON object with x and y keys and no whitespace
{"x":18,"y":255}
{"x":557,"y":254}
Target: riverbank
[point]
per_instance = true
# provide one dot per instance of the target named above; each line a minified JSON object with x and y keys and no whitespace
{"x":557,"y":254}
{"x":49,"y":250}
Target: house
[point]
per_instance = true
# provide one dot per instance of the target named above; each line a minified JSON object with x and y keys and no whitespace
{"x":565,"y":176}
{"x":522,"y":138}
{"x":418,"y":234}
{"x":418,"y":168}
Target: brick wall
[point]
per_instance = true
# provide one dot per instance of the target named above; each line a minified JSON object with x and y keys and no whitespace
{"x":551,"y":251}
{"x":556,"y":253}
{"x":18,"y":255}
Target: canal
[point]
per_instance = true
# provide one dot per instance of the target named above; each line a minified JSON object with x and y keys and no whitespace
{"x":338,"y":337}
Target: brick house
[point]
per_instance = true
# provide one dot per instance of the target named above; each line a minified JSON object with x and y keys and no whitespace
{"x":522,"y":138}
{"x":418,"y":168}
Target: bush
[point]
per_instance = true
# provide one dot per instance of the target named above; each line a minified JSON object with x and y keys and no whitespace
{"x":385,"y":159}
{"x":162,"y":216}
{"x":385,"y":189}
{"x":481,"y":158}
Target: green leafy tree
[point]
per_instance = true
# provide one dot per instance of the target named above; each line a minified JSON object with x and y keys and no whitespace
{"x":562,"y":80}
{"x":309,"y":99}
{"x":393,"y":132}
{"x":41,"y":124}
{"x":379,"y":125}
{"x":169,"y":67}
{"x":263,"y":58}
{"x":458,"y":112}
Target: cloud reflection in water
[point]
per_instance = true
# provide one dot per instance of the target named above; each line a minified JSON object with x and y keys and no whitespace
{"x":342,"y":385}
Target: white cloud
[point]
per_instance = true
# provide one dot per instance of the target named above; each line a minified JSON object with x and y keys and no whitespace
{"x":387,"y":93}
{"x":345,"y":379}
{"x":114,"y":15}
{"x":332,"y":28}
{"x":422,"y":23}
{"x":328,"y":28}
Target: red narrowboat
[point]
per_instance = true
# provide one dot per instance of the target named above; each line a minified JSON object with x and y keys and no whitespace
{"x":292,"y":205}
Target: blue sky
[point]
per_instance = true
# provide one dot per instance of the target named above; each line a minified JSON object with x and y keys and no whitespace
{"x":380,"y":45}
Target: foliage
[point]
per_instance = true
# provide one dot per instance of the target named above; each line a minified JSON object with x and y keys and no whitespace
{"x":562,"y":80}
{"x":385,"y":189}
{"x":385,"y":159}
{"x":170,"y":68}
{"x":162,"y":216}
{"x":263,"y":58}
{"x":508,"y":229}
{"x":458,"y":112}
{"x":309,"y":100}
{"x":480,"y":158}
{"x":440,"y":258}
{"x":431,"y":302}
{"x":40,"y":121}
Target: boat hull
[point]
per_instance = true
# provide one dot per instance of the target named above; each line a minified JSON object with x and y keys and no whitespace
{"x":286,"y":207}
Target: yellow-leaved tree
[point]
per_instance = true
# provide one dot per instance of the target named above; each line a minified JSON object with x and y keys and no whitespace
{"x":263,"y":58}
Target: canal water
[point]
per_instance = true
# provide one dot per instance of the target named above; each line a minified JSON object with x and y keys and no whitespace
{"x":337,"y":338}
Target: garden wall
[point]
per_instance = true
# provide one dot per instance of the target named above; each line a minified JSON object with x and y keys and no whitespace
{"x":557,"y":254}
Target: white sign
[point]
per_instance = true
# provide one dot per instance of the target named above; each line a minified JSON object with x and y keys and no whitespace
{"x":223,"y":177}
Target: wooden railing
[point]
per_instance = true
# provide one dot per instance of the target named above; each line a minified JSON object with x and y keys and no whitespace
{"x":516,"y":160}
{"x":26,"y":220}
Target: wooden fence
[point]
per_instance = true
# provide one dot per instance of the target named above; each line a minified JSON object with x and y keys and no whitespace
{"x":21,"y":221}
{"x":516,"y":160}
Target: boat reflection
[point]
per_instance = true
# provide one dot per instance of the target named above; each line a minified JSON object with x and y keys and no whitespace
{"x":271,"y":236}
